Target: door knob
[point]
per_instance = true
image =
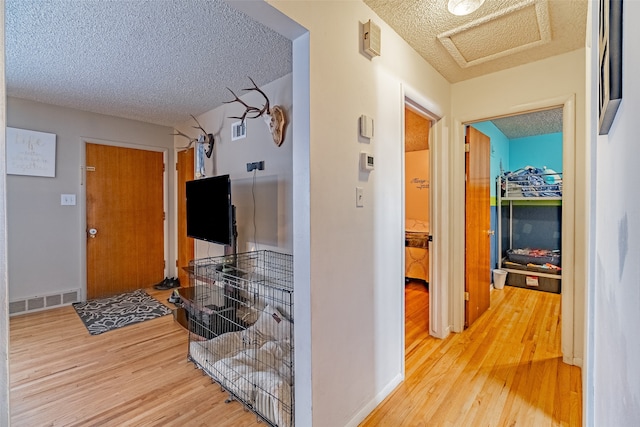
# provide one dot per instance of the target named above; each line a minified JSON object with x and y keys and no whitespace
{"x":92,"y":233}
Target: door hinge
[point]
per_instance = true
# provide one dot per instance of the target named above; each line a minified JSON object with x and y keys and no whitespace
{"x":430,"y":238}
{"x":164,"y":216}
{"x":176,"y":166}
{"x":466,"y":296}
{"x":467,"y":148}
{"x":164,"y":263}
{"x":176,"y":263}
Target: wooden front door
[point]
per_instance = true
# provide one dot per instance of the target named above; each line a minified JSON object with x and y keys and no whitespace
{"x":477,"y":225}
{"x":184,"y":167}
{"x":125,"y":219}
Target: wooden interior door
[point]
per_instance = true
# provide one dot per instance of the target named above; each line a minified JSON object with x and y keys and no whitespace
{"x":125,"y":208}
{"x":184,"y":166}
{"x":477,"y":225}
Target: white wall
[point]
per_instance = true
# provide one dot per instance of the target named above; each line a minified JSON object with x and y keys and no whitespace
{"x":516,"y":90}
{"x":45,"y":239}
{"x":273,"y":190}
{"x":616,"y":293}
{"x":4,"y":289}
{"x":355,"y":254}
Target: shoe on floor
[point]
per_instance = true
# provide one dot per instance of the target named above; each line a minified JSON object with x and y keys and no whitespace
{"x":168,"y":283}
{"x":175,"y":297}
{"x":163,"y":285}
{"x":175,"y":282}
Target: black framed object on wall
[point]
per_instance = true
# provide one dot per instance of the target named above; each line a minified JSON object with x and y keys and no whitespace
{"x":610,"y":49}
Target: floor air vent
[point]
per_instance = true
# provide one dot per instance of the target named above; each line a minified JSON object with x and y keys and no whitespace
{"x":42,"y":302}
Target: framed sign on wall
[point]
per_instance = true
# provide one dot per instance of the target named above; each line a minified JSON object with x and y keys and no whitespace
{"x":610,"y":49}
{"x":31,"y":153}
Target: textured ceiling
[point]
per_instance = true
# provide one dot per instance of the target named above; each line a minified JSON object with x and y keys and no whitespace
{"x":501,"y":34}
{"x":530,"y":124}
{"x":158,"y":61}
{"x":155,"y":61}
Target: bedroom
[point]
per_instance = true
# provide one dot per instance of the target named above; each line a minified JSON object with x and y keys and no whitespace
{"x":527,"y":149}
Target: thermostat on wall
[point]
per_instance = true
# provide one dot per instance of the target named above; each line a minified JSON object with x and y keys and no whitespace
{"x":366,"y":161}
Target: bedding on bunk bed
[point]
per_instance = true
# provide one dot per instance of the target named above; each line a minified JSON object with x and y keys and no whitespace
{"x":254,"y":365}
{"x":538,"y":257}
{"x":531,"y":182}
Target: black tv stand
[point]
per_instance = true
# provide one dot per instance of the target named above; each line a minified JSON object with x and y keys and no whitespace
{"x":232,"y":249}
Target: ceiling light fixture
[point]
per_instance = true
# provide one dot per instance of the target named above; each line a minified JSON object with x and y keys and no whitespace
{"x":464,"y":7}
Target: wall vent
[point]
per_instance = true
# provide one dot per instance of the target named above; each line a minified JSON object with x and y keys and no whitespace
{"x":238,"y":130}
{"x":35,"y":303}
{"x":38,"y":303}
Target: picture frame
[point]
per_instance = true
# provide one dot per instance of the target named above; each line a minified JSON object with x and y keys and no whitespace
{"x":30,"y":153}
{"x":610,"y":55}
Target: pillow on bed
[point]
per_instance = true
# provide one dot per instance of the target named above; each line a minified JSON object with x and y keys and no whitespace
{"x":551,"y":176}
{"x":271,"y":325}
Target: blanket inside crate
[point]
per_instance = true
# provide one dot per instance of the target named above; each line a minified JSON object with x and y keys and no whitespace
{"x":255,"y":365}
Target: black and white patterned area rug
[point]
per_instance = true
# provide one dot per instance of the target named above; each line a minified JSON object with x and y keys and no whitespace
{"x":102,"y":315}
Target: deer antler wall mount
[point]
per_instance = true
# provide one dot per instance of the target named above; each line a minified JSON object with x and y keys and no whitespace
{"x":274,"y":117}
{"x":204,"y":138}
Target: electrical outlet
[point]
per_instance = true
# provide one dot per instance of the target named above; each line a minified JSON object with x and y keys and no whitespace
{"x":68,"y":199}
{"x":255,"y":165}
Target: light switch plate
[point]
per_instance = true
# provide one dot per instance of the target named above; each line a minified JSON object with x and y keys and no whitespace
{"x":67,"y":199}
{"x":359,"y":197}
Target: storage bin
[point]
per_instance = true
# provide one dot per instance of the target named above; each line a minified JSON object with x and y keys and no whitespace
{"x":531,"y":281}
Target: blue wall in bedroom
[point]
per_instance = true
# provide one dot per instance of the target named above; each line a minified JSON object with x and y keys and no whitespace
{"x":533,"y":226}
{"x":537,"y":151}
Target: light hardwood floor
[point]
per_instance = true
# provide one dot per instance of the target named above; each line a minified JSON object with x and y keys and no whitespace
{"x":504,"y":370}
{"x":134,"y":376}
{"x":416,"y":315}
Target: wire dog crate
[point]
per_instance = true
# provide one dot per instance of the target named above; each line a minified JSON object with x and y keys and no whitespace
{"x":241,"y":329}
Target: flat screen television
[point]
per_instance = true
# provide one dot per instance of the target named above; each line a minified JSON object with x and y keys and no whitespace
{"x":209,"y":209}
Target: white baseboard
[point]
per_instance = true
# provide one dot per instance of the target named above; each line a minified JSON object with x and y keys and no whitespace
{"x":369,"y":407}
{"x":574,"y":361}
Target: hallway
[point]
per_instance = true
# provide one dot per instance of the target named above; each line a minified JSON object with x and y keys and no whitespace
{"x":505,"y":370}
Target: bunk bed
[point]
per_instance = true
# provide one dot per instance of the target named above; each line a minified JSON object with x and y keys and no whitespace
{"x":535,"y":268}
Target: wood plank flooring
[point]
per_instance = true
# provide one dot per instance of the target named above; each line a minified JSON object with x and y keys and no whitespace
{"x":133,"y":376}
{"x":416,"y":315}
{"x":506,"y":370}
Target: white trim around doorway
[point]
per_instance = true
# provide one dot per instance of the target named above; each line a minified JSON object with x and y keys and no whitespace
{"x":438,"y":218}
{"x":572,"y":256}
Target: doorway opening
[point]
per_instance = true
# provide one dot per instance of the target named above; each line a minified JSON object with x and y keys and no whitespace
{"x":417,"y":201}
{"x":525,"y":169}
